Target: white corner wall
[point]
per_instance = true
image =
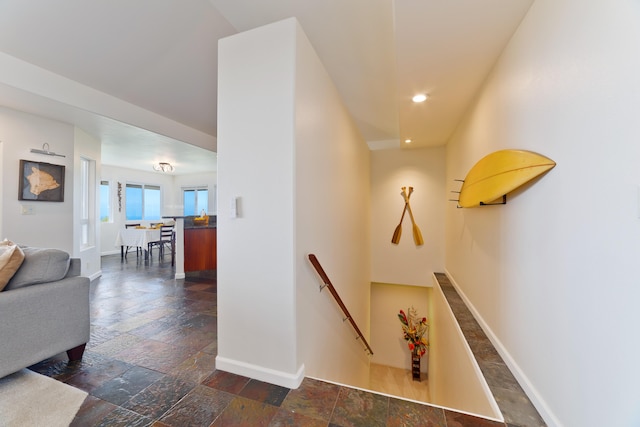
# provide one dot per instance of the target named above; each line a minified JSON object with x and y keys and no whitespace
{"x":424,"y":170}
{"x":256,"y":265}
{"x":553,"y":274}
{"x":299,"y":170}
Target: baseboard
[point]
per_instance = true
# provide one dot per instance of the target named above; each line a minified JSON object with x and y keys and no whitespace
{"x":180,"y":276}
{"x":261,"y":373}
{"x":113,"y":252}
{"x":523,"y":380}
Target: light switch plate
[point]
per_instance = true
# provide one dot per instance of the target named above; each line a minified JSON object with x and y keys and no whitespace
{"x":234,"y":207}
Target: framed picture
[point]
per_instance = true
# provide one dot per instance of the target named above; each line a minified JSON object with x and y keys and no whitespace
{"x":41,"y":181}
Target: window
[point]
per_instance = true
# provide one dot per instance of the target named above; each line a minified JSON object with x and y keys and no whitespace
{"x":195,"y":200}
{"x":142,"y":201}
{"x":105,"y":202}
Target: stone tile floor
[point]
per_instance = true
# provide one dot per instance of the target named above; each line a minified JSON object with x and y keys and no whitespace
{"x":151,"y":362}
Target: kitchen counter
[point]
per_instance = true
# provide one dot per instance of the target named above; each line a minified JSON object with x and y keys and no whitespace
{"x":200,"y":248}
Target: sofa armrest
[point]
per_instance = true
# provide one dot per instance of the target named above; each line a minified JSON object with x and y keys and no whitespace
{"x":43,"y":320}
{"x":75,"y":266}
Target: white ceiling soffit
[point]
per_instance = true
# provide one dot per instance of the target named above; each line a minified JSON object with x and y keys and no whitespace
{"x":446,"y":49}
{"x":355,"y":42}
{"x":158,"y":55}
{"x":380,"y":53}
{"x":122,"y":145}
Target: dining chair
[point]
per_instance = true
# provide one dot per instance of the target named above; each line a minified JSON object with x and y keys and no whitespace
{"x":138,"y":248}
{"x":167,"y":239}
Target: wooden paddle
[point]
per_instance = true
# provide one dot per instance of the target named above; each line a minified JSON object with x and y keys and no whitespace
{"x":417,"y":235}
{"x":398,"y":231}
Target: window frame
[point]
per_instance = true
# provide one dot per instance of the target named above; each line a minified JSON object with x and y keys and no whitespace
{"x":195,"y":189}
{"x":105,"y":183}
{"x":143,"y":187}
{"x":87,"y":208}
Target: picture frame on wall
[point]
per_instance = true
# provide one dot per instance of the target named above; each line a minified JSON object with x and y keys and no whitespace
{"x":41,"y":182}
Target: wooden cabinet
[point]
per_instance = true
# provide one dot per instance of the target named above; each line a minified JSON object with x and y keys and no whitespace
{"x":200,"y":249}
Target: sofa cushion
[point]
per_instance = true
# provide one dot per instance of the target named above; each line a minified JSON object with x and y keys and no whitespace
{"x":11,"y":257}
{"x":39,"y":266}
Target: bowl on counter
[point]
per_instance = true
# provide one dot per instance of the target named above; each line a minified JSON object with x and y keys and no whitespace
{"x":201,"y":220}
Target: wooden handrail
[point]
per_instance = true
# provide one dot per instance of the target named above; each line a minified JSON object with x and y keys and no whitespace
{"x":327,"y":283}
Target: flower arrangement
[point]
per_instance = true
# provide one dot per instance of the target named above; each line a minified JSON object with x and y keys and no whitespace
{"x":414,"y":329}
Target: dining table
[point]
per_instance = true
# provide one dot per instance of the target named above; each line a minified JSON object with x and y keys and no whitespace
{"x":140,"y":237}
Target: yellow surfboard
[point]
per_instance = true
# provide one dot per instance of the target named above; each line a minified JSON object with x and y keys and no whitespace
{"x":500,"y":173}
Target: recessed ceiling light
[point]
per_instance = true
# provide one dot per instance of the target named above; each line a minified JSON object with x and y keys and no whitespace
{"x":407,"y":141}
{"x":421,"y":97}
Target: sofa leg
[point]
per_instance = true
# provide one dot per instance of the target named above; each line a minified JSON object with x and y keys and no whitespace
{"x":76,"y":352}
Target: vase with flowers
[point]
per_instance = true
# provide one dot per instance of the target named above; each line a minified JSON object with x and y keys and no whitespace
{"x":415,"y":329}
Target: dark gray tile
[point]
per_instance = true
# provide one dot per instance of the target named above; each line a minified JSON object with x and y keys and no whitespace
{"x":498,"y":375}
{"x":517,"y":409}
{"x":121,"y":417}
{"x":198,"y":408}
{"x":123,"y":387}
{"x":159,"y":397}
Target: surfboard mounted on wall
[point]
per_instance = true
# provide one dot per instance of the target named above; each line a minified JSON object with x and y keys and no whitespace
{"x":499,"y":173}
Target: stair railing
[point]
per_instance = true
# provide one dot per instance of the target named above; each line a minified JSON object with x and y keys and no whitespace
{"x":327,"y":284}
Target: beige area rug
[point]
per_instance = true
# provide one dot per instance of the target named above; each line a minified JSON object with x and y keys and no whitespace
{"x":31,"y":399}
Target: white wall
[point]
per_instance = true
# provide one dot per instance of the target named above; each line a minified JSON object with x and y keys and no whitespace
{"x":424,"y":170}
{"x":553,"y":274}
{"x":256,"y":290}
{"x":286,"y":169}
{"x":332,"y":221}
{"x":51,"y":224}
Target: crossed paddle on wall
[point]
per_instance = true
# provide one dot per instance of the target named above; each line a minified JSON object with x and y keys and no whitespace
{"x":417,"y":235}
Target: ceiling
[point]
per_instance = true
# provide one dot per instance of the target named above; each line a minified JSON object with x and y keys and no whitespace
{"x":141,"y":75}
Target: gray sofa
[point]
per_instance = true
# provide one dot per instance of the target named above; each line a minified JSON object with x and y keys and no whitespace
{"x":39,"y":318}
